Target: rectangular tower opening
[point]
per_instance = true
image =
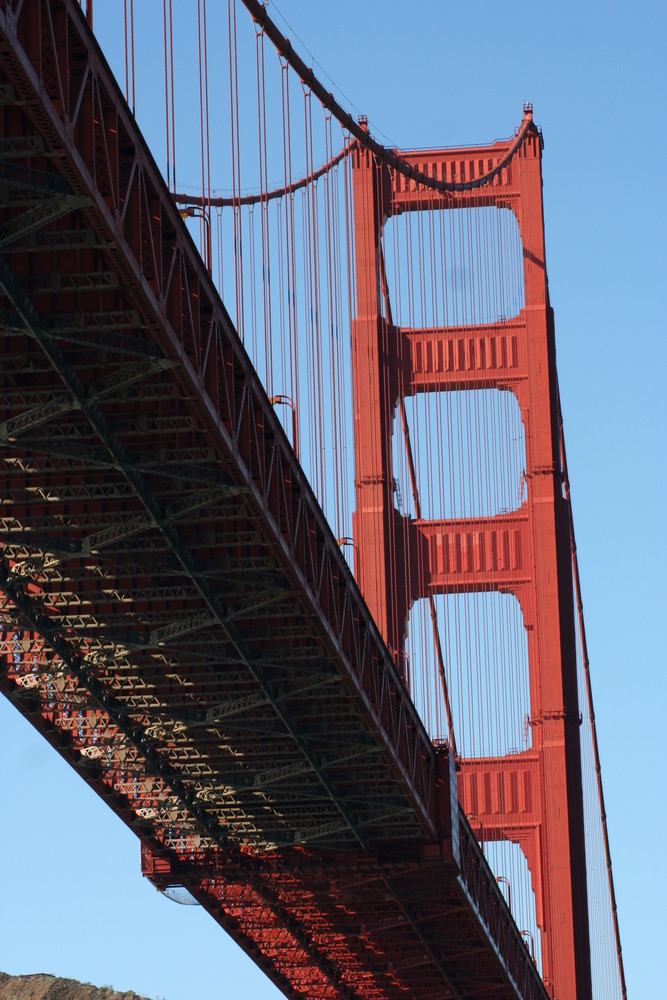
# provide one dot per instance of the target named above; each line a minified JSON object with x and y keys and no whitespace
{"x":453,"y":267}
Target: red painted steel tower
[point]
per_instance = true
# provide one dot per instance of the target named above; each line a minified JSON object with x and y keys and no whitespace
{"x":533,"y":798}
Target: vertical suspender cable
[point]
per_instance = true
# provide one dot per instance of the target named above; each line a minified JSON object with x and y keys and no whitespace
{"x":132,"y":51}
{"x":171,"y":74}
{"x":205,"y":223}
{"x":127,"y":63}
{"x":417,"y":506}
{"x":166,"y":88}
{"x":207,"y":217}
{"x":236,"y":165}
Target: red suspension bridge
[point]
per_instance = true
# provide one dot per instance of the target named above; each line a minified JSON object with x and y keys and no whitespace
{"x":292,"y":579}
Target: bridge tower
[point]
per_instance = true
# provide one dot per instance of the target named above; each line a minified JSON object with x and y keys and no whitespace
{"x":532,"y":798}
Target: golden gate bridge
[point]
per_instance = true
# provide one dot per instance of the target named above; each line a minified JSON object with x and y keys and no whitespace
{"x":292,"y":579}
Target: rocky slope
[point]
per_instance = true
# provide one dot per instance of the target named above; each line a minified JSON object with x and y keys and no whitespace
{"x":45,"y":987}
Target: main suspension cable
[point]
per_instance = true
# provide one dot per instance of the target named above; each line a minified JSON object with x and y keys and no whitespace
{"x":227,"y":201}
{"x":417,"y":506}
{"x":259,"y":14}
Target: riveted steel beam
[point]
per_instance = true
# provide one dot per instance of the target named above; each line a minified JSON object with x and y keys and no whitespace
{"x":71,"y":281}
{"x":58,"y":241}
{"x":19,"y":146}
{"x":35,"y":417}
{"x":41,"y":182}
{"x":40,"y":215}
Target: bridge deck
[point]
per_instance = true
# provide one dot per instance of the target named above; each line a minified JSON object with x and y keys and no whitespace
{"x":178,"y":619}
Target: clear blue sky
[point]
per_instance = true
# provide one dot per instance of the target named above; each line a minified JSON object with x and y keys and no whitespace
{"x":430,"y":75}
